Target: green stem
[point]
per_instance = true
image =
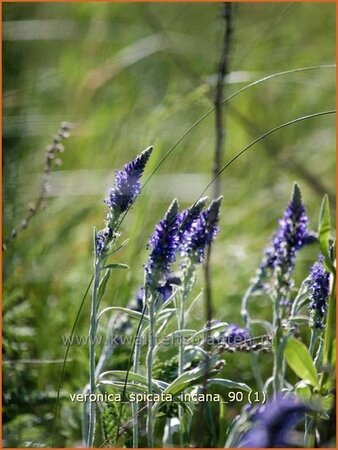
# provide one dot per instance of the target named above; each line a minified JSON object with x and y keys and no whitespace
{"x":330,"y":327}
{"x":150,"y":419}
{"x":181,"y":325}
{"x":182,"y":296}
{"x":134,"y":404}
{"x":222,"y":422}
{"x":277,"y":344}
{"x":309,"y":435}
{"x":137,"y":355}
{"x":247,"y":323}
{"x":92,"y":337}
{"x":314,"y":336}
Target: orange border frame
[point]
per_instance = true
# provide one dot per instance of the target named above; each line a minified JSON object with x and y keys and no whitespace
{"x":144,"y":1}
{"x":168,"y":1}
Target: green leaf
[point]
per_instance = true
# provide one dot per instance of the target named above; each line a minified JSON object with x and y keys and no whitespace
{"x":327,"y":402}
{"x":300,"y":320}
{"x":116,"y":266}
{"x":120,"y":376}
{"x":303,"y":390}
{"x":118,"y":248}
{"x":190,"y":378}
{"x":102,"y":286}
{"x":229,"y":384}
{"x":324,"y":232}
{"x":121,"y":386}
{"x":299,"y":359}
{"x":334,"y":346}
{"x":135,"y":314}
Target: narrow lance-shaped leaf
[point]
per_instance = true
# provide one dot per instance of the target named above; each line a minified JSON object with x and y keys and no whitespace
{"x":298,"y":358}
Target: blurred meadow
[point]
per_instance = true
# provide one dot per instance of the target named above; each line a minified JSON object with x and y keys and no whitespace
{"x":128,"y":76}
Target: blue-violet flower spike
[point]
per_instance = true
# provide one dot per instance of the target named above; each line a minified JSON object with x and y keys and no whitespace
{"x":188,"y":217}
{"x":121,"y":197}
{"x":290,"y":237}
{"x":163,"y":244}
{"x":127,"y":183}
{"x":201,"y":233}
{"x":318,"y":285}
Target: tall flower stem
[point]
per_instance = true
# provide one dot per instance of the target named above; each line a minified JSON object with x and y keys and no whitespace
{"x":247,"y":324}
{"x":92,"y":338}
{"x":313,"y":338}
{"x":182,"y":297}
{"x":137,"y":355}
{"x":278,"y":344}
{"x":181,"y":325}
{"x":152,"y":339}
{"x":188,"y":281}
{"x":330,"y":329}
{"x":310,"y":422}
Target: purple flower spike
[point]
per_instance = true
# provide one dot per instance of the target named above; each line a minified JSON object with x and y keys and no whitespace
{"x":121,"y":197}
{"x":188,"y":217}
{"x":127,"y":183}
{"x":273,"y":422}
{"x":290,"y":237}
{"x":318,"y":285}
{"x":201,"y":232}
{"x":163,"y":245}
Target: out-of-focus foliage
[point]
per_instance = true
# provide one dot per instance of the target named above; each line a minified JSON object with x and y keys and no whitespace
{"x":131,"y":75}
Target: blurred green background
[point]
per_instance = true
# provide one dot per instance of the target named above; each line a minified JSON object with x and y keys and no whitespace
{"x":131,"y":75}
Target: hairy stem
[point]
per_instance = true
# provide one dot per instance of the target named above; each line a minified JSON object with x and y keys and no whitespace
{"x":330,"y":328}
{"x":314,"y":336}
{"x":92,"y":337}
{"x":247,"y":324}
{"x":150,"y":419}
{"x":181,"y":325}
{"x":277,"y":347}
{"x":137,"y":354}
{"x":134,"y":404}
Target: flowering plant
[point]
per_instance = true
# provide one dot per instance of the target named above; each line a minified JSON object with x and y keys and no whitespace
{"x":164,"y":395}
